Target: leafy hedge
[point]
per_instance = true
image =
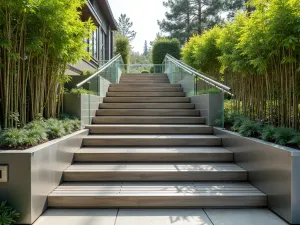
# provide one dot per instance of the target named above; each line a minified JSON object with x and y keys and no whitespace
{"x":37,"y":132}
{"x":163,"y":46}
{"x":8,"y":215}
{"x":122,"y":46}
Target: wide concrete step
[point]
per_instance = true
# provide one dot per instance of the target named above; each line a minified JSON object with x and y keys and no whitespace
{"x":146,"y":99}
{"x":156,"y":154}
{"x":146,"y":89}
{"x":151,"y":140}
{"x":144,"y":84}
{"x":147,"y":112}
{"x":147,"y":120}
{"x":145,"y":94}
{"x":149,"y":129}
{"x":156,"y":195}
{"x":154,"y":172}
{"x":146,"y":106}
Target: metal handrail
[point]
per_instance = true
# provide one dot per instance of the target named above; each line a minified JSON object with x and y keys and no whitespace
{"x":115,"y":58}
{"x":192,"y":71}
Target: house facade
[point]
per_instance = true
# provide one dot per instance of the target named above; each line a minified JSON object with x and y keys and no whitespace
{"x":101,"y":42}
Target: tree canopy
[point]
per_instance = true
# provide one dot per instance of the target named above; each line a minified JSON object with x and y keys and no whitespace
{"x":258,"y":57}
{"x":187,"y":17}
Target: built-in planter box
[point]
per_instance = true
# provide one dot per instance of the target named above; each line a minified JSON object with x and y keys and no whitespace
{"x":210,"y":107}
{"x":82,"y":105}
{"x":272,"y":168}
{"x":36,"y":172}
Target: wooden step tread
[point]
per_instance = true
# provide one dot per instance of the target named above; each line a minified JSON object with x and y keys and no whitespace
{"x":155,"y":188}
{"x":174,"y":150}
{"x":158,"y":154}
{"x":145,"y":89}
{"x":144,"y":84}
{"x":146,"y":99}
{"x":148,"y":129}
{"x":147,"y":120}
{"x":154,"y":172}
{"x":156,"y":194}
{"x":92,"y":137}
{"x":147,"y":112}
{"x":155,"y":167}
{"x":92,"y":172}
{"x":145,"y":94}
{"x":147,"y":106}
{"x":151,"y":140}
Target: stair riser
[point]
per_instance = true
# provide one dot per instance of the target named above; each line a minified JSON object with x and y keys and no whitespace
{"x":150,"y":130}
{"x":145,"y":89}
{"x":145,"y":94}
{"x":144,"y":84}
{"x":151,"y":142}
{"x":146,"y":106}
{"x":145,"y":120}
{"x":153,"y":157}
{"x":156,"y":201}
{"x":154,"y":176}
{"x":146,"y":99}
{"x":139,"y":112}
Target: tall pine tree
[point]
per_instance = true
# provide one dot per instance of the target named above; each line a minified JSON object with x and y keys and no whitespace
{"x":187,"y":17}
{"x":146,"y":49}
{"x":125,"y":27}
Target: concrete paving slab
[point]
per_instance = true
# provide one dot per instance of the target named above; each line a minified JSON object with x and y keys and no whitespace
{"x":162,"y":217}
{"x":244,"y":217}
{"x":78,"y":217}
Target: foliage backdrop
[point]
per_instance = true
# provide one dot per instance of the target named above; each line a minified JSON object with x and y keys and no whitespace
{"x":37,"y":40}
{"x":258,"y":55}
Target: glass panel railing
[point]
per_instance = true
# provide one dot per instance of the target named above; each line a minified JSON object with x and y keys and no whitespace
{"x":97,"y":85}
{"x":144,"y":68}
{"x":206,"y":93}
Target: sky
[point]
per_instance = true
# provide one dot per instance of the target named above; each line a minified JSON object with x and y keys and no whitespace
{"x":144,"y":15}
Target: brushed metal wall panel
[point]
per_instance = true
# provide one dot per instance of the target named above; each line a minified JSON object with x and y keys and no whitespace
{"x":273,"y":169}
{"x":35,"y":173}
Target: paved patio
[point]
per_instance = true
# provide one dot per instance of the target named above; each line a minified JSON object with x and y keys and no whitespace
{"x":159,"y":217}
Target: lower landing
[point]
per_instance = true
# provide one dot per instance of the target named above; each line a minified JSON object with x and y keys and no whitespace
{"x":159,"y":217}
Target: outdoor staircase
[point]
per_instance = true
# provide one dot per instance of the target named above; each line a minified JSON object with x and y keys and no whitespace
{"x":148,"y":147}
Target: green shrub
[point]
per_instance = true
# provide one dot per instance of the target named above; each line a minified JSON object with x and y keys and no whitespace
{"x":37,"y":132}
{"x":249,"y":128}
{"x":144,"y":71}
{"x":295,"y":140}
{"x":55,"y":128}
{"x":36,"y":136}
{"x":283,"y":135}
{"x":209,"y":91}
{"x":237,"y":121}
{"x":13,"y":137}
{"x":8,"y":215}
{"x":163,"y":46}
{"x":267,"y":133}
{"x":79,"y":91}
{"x":123,"y":48}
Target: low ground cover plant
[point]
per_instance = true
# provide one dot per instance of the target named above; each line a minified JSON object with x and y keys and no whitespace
{"x":250,"y":128}
{"x":8,"y":215}
{"x":37,"y":132}
{"x":78,"y":91}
